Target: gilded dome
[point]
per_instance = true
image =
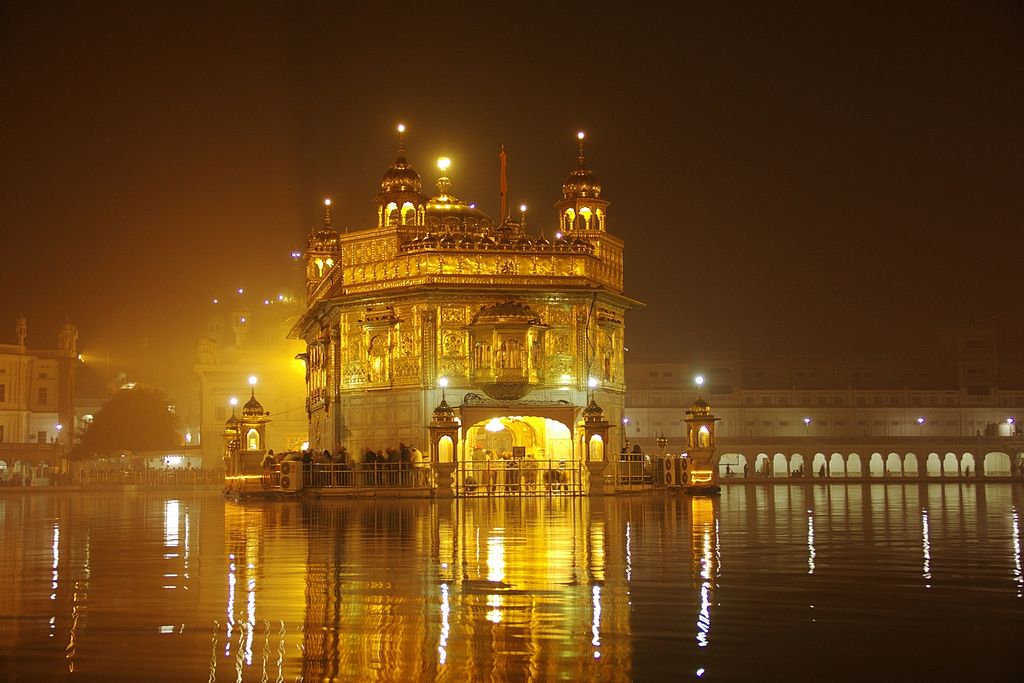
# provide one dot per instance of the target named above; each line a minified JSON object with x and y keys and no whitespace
{"x":253,"y":408}
{"x":593,"y":412}
{"x":510,"y":311}
{"x":443,"y":413}
{"x":232,"y":423}
{"x":699,"y":407}
{"x":581,"y":183}
{"x":400,"y":177}
{"x":446,"y":211}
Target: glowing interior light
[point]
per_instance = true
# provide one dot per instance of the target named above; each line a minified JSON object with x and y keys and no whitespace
{"x":580,"y":135}
{"x":305,"y":446}
{"x":443,"y":382}
{"x":522,"y":207}
{"x":558,"y":235}
{"x":401,"y":128}
{"x":266,"y":302}
{"x":494,"y":425}
{"x":280,"y":297}
{"x":241,"y":320}
{"x":592,"y":382}
{"x":327,"y":202}
{"x":699,"y":379}
{"x":241,"y":291}
{"x":216,"y":301}
{"x":252,"y":380}
{"x":443,"y":163}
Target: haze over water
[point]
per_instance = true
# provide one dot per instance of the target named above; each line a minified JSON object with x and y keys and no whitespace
{"x":766,"y":582}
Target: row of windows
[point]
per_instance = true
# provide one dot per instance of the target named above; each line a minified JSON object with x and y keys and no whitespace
{"x":43,"y":394}
{"x":41,"y":437}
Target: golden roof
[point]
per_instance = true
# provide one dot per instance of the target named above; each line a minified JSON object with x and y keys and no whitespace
{"x":253,"y":408}
{"x":581,"y":182}
{"x":400,"y":177}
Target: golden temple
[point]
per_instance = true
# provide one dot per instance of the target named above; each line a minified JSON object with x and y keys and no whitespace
{"x":438,"y":304}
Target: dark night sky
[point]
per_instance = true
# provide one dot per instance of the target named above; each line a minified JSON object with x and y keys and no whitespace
{"x":823,"y":177}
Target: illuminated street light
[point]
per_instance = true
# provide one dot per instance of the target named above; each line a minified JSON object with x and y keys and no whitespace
{"x":401,"y":128}
{"x":233,"y":401}
{"x":252,"y":380}
{"x":920,"y":426}
{"x":444,"y":163}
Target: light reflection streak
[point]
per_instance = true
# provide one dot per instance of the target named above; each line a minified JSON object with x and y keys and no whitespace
{"x":56,"y":561}
{"x":232,"y":580}
{"x":442,"y":648}
{"x":496,"y":558}
{"x":171,"y":523}
{"x":280,"y":653}
{"x":595,"y":628}
{"x":251,"y":614}
{"x":810,"y":542}
{"x":78,"y":599}
{"x":1018,"y":577}
{"x":629,"y":553}
{"x":704,"y":618}
{"x":494,"y":616}
{"x":926,"y":548}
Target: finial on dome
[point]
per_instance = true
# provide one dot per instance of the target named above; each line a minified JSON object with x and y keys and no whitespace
{"x":401,"y":140}
{"x":444,"y":184}
{"x":327,"y":212}
{"x":579,"y":136}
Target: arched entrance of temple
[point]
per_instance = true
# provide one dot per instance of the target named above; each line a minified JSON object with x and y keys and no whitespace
{"x":516,"y":455}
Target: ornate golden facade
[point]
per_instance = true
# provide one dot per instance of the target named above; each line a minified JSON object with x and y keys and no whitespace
{"x":436,"y":289}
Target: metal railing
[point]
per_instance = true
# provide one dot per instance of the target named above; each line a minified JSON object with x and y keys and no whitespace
{"x":366,"y":475}
{"x":634,"y":471}
{"x":519,"y":477}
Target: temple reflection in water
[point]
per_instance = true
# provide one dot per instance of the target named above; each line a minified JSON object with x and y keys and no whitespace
{"x":128,"y":587}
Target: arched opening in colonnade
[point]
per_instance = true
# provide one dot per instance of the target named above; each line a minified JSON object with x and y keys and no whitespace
{"x":950,"y":466}
{"x":819,"y":465}
{"x":733,"y":466}
{"x":968,"y":466}
{"x":910,"y":467}
{"x":876,"y":468}
{"x":836,"y":466}
{"x":997,"y":464}
{"x":933,"y":466}
{"x":780,"y":466}
{"x":5,"y":471}
{"x":762,"y":465}
{"x":893,"y":465}
{"x":797,"y":466}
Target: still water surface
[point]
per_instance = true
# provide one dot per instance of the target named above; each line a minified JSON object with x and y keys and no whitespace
{"x":768,"y":582}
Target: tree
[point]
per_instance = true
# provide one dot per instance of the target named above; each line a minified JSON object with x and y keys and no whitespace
{"x":136,"y":419}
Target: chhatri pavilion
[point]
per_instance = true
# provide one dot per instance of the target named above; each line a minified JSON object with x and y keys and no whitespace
{"x":467,"y":337}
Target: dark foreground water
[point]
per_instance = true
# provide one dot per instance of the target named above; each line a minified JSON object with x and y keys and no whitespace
{"x":804,"y":582}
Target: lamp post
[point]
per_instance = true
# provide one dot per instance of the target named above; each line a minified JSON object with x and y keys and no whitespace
{"x":920,"y":426}
{"x":807,"y":426}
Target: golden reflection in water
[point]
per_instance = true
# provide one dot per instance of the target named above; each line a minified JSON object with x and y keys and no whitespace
{"x":506,"y":588}
{"x":810,"y":542}
{"x":926,"y":549}
{"x":1018,"y":577}
{"x":704,"y":540}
